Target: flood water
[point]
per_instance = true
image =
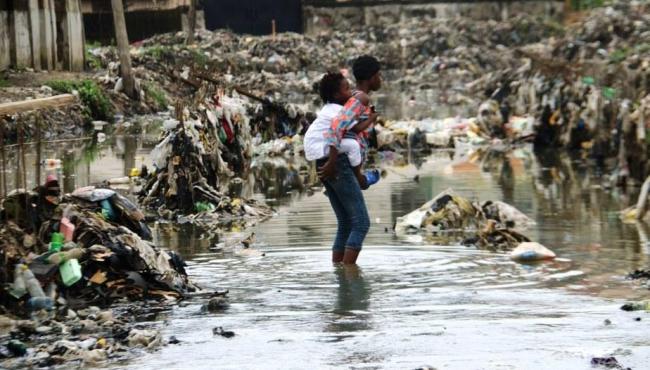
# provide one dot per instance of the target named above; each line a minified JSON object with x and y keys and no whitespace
{"x":410,"y":303}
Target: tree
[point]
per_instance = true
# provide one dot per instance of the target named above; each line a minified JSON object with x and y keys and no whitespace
{"x":122,"y":37}
{"x":191,"y":22}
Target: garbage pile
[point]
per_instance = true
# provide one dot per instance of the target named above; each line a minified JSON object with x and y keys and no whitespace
{"x":587,"y":89}
{"x":64,"y":257}
{"x":491,"y":225}
{"x":212,"y":141}
{"x":92,"y":248}
{"x":451,"y":132}
{"x":287,"y":65}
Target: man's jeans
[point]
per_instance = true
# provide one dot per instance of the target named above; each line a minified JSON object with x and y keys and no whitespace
{"x":349,"y":206}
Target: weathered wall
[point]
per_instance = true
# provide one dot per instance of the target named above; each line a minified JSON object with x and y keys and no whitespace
{"x":41,"y":34}
{"x":323,"y":18}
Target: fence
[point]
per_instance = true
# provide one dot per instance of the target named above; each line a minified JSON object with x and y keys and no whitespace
{"x":41,"y":34}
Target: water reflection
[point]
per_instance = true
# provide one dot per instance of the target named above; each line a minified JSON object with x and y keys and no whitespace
{"x":76,"y":163}
{"x":351,"y":308}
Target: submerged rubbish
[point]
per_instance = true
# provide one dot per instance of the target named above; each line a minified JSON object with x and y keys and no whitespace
{"x":490,"y":225}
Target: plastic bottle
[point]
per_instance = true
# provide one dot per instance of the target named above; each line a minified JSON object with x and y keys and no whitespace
{"x":56,"y":242}
{"x":203,"y":207}
{"x":70,"y":271}
{"x":372,"y":176}
{"x":40,"y":303}
{"x":50,"y":291}
{"x":67,"y":229}
{"x":32,"y":284}
{"x":107,"y":209}
{"x":19,"y":289}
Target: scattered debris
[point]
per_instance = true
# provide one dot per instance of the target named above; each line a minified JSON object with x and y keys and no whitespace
{"x":607,"y":362}
{"x":224,"y":333}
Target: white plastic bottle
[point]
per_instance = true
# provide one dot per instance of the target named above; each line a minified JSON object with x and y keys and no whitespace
{"x":32,"y":284}
{"x":19,"y":289}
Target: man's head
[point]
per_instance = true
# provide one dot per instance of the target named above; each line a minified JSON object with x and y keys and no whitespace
{"x":334,"y":88}
{"x":366,"y":70}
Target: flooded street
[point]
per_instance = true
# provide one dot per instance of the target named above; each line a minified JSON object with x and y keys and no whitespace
{"x":411,"y":303}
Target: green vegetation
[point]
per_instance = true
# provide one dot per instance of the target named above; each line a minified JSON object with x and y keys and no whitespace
{"x":157,"y":51}
{"x":3,"y":82}
{"x":619,"y":55}
{"x":96,"y":105}
{"x":586,"y":4}
{"x":199,"y":57}
{"x":156,"y":94}
{"x":91,"y":60}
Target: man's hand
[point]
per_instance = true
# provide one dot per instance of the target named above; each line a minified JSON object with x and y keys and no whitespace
{"x":328,"y":170}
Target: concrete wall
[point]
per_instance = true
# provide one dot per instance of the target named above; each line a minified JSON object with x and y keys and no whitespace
{"x":318,"y":19}
{"x":32,"y":31}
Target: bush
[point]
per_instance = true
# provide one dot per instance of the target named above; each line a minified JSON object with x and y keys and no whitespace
{"x":97,"y":106}
{"x":156,"y":94}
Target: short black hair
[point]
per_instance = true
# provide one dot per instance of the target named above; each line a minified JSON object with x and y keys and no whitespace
{"x":329,"y":85}
{"x":364,"y":67}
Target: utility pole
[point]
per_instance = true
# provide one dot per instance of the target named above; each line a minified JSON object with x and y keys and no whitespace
{"x":123,"y":46}
{"x":191,"y":22}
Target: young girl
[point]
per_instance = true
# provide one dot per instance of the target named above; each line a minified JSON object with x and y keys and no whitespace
{"x":337,"y":95}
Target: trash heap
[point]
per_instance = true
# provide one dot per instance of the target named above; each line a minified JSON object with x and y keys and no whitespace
{"x":92,"y":248}
{"x":451,"y":132}
{"x":287,"y":65}
{"x":588,"y":89}
{"x":64,"y":258}
{"x":491,"y":225}
{"x":205,"y":144}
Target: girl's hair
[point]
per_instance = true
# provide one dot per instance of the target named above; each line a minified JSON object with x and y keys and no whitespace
{"x":329,"y":85}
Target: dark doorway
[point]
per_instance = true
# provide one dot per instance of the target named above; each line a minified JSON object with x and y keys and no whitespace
{"x":253,"y":16}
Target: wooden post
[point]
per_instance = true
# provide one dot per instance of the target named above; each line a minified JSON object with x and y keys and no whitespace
{"x":23,"y":169}
{"x":4,"y":160}
{"x":74,"y":35}
{"x":191,"y":22}
{"x":5,"y":59}
{"x":273,"y":28}
{"x":21,"y":48}
{"x":35,"y":33}
{"x":123,"y":45}
{"x":39,"y":149}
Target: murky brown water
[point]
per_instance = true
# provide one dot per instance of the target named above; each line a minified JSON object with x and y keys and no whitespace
{"x":410,"y":303}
